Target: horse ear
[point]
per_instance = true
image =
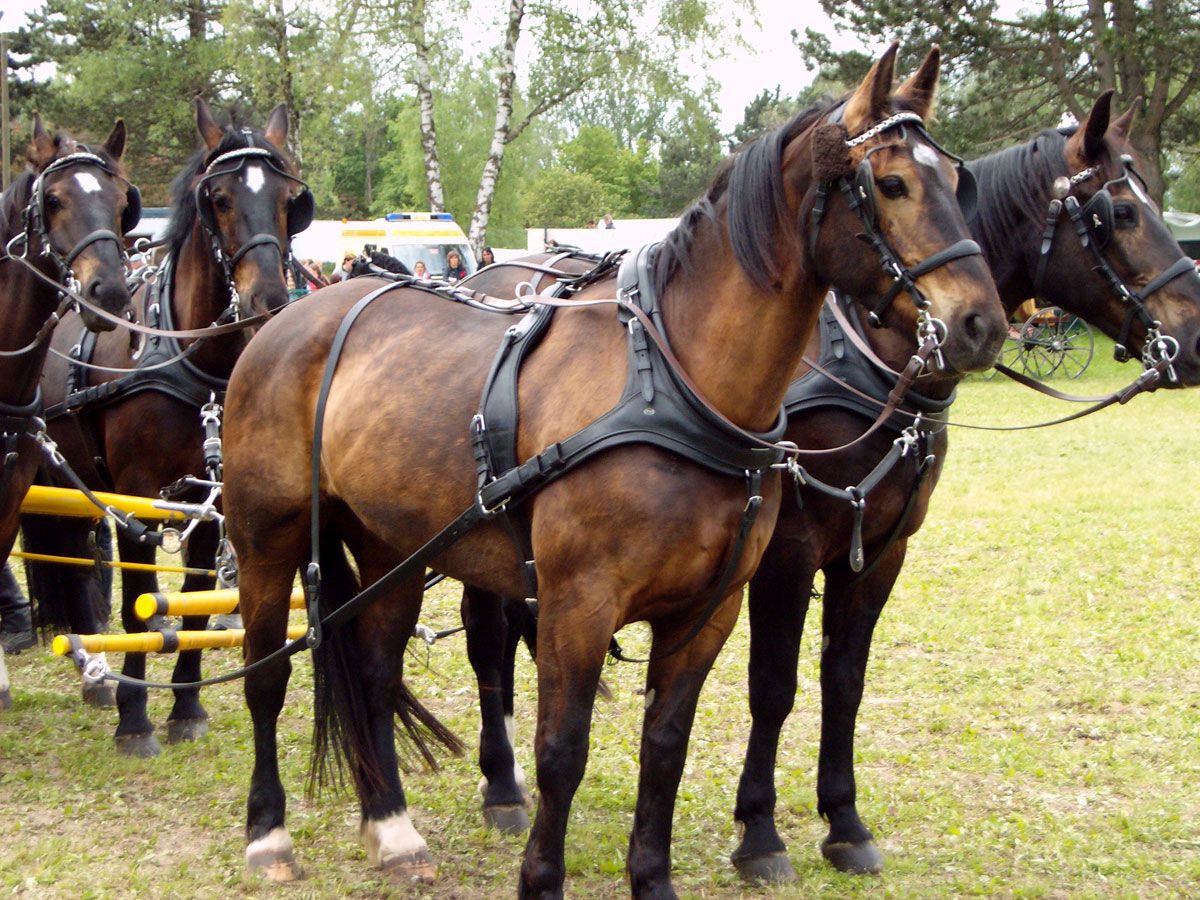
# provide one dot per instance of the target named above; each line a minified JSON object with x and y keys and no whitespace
{"x":870,"y":100}
{"x":114,"y":145}
{"x":1121,"y":125}
{"x":1087,"y":143}
{"x":41,"y":149}
{"x":921,"y":86}
{"x":277,"y":126}
{"x":209,"y":130}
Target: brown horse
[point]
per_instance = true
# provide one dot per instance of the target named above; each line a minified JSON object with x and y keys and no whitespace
{"x":61,"y":223}
{"x":652,"y":532}
{"x":134,"y":426}
{"x":1018,"y":190}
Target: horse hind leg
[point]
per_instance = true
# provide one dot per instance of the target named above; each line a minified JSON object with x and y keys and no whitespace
{"x":492,"y":638}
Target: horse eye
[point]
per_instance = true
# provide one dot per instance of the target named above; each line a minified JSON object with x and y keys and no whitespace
{"x":893,"y":186}
{"x":1125,"y":215}
{"x":221,"y":201}
{"x":53,"y":204}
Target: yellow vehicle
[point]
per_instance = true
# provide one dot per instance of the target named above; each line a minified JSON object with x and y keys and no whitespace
{"x":411,"y":237}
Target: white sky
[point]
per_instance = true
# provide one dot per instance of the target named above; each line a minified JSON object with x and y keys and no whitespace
{"x":742,"y":76}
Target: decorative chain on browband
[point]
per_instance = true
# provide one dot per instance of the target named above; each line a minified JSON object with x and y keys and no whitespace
{"x":880,"y":127}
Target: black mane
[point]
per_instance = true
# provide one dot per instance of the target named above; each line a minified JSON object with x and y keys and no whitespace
{"x":1023,"y":175}
{"x":183,"y":197}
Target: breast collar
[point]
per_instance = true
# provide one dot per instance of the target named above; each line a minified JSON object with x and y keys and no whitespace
{"x":840,"y":357}
{"x":655,"y":408}
{"x":182,"y":380}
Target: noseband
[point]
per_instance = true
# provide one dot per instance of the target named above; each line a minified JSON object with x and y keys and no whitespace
{"x":859,"y":190}
{"x":33,"y":217}
{"x":1094,"y":224}
{"x":299,"y":216}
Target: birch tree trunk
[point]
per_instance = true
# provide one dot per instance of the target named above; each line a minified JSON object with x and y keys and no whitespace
{"x":502,"y":133}
{"x":433,"y":168}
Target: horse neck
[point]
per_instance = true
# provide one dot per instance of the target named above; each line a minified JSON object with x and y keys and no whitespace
{"x":26,"y":302}
{"x":199,"y":295}
{"x":1011,"y":254}
{"x":738,"y":343}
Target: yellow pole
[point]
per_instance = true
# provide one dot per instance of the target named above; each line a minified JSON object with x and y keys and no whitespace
{"x":152,"y":641}
{"x":53,"y":501}
{"x":196,"y":603}
{"x":140,"y":567}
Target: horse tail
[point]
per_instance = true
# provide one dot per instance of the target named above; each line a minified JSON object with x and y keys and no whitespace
{"x":67,"y":597}
{"x":341,"y":737}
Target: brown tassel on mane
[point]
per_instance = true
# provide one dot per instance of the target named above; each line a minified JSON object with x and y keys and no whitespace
{"x":831,"y":156}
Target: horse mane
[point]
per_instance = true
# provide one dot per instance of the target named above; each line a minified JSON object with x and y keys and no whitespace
{"x":183,"y":197}
{"x":1023,"y":175}
{"x":751,"y":181}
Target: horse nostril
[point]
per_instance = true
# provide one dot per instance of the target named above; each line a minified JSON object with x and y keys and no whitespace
{"x":975,"y":328}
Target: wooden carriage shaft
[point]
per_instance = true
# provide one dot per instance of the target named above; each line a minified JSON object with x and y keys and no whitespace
{"x":152,"y":641}
{"x":54,"y":501}
{"x":196,"y":603}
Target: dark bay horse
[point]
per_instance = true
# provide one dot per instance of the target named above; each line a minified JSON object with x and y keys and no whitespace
{"x":135,"y":426}
{"x":1017,"y":189}
{"x":636,"y":533}
{"x":63,"y":219}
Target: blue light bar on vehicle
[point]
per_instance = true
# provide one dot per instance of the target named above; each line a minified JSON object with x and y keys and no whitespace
{"x":423,"y":216}
{"x":397,"y":217}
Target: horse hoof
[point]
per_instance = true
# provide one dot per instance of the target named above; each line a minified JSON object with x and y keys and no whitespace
{"x":5,"y":699}
{"x":854,"y":859}
{"x":771,"y":867}
{"x":280,"y":868}
{"x":100,"y":695}
{"x":271,"y":856}
{"x":418,"y":868}
{"x":507,"y":819}
{"x":140,"y":746}
{"x":179,"y":730}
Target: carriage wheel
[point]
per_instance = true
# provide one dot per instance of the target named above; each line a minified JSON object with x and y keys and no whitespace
{"x":1041,"y":342}
{"x":1078,"y":345}
{"x":1010,"y":353}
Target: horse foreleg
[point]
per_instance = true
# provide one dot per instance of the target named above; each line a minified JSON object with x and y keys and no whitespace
{"x":188,"y":720}
{"x":491,"y":648}
{"x":778,"y":602}
{"x":135,"y":732}
{"x":6,"y":701}
{"x":573,"y":637}
{"x":673,"y":685}
{"x":851,"y":610}
{"x":265,"y":591}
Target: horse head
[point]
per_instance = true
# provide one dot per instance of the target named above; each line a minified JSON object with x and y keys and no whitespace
{"x":250,"y":200}
{"x":81,"y":204}
{"x":1110,"y":257}
{"x":880,"y":176}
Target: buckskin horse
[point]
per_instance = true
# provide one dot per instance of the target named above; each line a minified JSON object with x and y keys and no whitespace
{"x":135,"y":426}
{"x":662,"y":525}
{"x":61,"y":223}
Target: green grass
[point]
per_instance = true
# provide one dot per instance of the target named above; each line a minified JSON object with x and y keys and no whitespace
{"x":1031,"y":725}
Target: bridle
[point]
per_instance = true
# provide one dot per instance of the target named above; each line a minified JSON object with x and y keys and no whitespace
{"x":299,"y":214}
{"x":34,"y":219}
{"x":858,"y":188}
{"x":1094,"y":223}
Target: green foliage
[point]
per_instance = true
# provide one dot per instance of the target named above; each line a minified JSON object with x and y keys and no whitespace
{"x":559,"y":198}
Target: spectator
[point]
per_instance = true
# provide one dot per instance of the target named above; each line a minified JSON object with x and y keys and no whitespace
{"x":486,"y":257}
{"x":591,"y":223}
{"x":608,"y":222}
{"x":312,"y":272}
{"x":419,"y":270}
{"x":455,"y":270}
{"x":343,"y":272}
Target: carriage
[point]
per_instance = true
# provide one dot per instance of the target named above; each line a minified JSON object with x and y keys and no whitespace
{"x":1050,"y":342}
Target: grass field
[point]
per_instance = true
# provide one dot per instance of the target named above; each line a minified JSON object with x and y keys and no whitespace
{"x":1031,"y":726}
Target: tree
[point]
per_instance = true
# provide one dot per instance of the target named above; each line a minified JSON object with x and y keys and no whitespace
{"x":1018,"y":71}
{"x":559,"y":198}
